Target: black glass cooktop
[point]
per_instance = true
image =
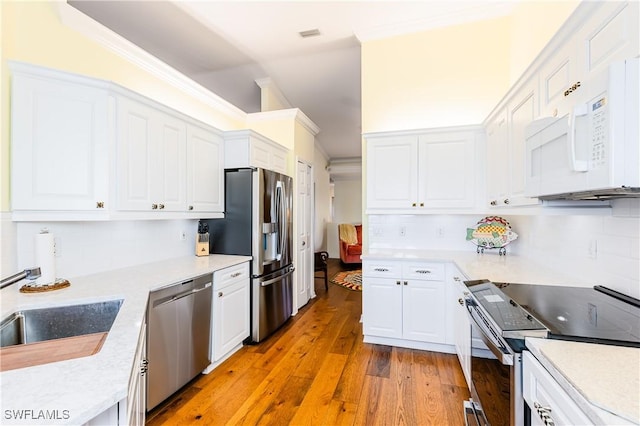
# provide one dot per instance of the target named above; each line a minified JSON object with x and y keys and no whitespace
{"x":579,"y":313}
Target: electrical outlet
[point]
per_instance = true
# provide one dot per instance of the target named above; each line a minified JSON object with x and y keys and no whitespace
{"x":403,"y":231}
{"x":183,"y":235}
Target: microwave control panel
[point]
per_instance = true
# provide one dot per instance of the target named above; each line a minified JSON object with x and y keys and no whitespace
{"x":599,"y":132}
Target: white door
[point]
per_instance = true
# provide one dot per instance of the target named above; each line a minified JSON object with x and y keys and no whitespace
{"x":304,"y":264}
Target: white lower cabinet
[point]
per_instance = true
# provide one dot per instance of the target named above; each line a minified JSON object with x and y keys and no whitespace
{"x":459,"y":326}
{"x":136,"y":405}
{"x":549,"y":403}
{"x":130,"y":411}
{"x":404,"y":300}
{"x":230,"y":310}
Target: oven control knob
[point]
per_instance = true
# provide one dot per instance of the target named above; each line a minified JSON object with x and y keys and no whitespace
{"x":460,"y":301}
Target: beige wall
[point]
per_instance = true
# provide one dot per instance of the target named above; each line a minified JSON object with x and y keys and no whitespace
{"x":533,"y":24}
{"x":32,"y":32}
{"x":444,"y":77}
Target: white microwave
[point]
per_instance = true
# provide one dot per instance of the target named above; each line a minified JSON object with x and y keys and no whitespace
{"x":594,"y":151}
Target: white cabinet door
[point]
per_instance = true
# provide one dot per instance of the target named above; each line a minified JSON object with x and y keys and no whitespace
{"x":392,"y":172}
{"x":523,"y":109}
{"x":382,"y":307}
{"x":497,"y":159}
{"x":447,"y":170}
{"x":59,"y":143}
{"x":461,"y":324}
{"x":205,"y":170}
{"x":231,"y":317}
{"x":151,"y":158}
{"x":610,"y":34}
{"x":559,"y":80}
{"x":423,"y":311}
{"x":137,"y":397}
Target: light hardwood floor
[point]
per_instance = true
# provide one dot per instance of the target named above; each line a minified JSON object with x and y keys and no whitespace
{"x":316,"y":370}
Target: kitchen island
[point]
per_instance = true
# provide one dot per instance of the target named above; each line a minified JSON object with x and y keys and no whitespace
{"x":77,"y":390}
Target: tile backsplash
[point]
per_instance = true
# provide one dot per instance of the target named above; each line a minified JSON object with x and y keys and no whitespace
{"x":594,"y":247}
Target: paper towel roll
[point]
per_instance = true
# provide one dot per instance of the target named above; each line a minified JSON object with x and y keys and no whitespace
{"x":45,"y":258}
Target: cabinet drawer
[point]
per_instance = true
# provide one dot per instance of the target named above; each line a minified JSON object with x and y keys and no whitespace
{"x":225,"y":277}
{"x":540,"y":389}
{"x":423,"y":271}
{"x":382,"y":269}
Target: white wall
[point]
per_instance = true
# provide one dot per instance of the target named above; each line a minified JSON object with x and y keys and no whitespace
{"x":347,"y":208}
{"x":322,"y":196}
{"x":561,"y":242}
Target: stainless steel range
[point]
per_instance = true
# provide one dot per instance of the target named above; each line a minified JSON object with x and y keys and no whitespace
{"x":504,"y":314}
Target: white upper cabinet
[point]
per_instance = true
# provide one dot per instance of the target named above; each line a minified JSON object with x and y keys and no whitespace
{"x":86,"y":149}
{"x":417,"y":171}
{"x":205,"y":169}
{"x":59,"y":143}
{"x":392,"y":171}
{"x":247,"y":148}
{"x":151,"y":160}
{"x":597,"y":34}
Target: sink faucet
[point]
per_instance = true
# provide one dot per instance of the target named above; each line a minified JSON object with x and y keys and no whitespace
{"x":29,"y":273}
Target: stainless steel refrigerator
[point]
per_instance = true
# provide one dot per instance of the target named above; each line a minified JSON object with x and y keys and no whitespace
{"x":258,"y":223}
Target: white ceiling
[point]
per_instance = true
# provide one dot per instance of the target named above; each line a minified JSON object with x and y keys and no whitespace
{"x":227,"y":45}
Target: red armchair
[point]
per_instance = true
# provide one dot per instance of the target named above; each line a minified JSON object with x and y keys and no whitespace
{"x":350,"y":244}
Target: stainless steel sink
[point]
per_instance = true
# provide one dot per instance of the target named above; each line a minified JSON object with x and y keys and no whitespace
{"x":37,"y":325}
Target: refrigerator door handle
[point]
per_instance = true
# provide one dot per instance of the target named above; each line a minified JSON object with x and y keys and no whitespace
{"x":278,"y":278}
{"x":280,"y":214}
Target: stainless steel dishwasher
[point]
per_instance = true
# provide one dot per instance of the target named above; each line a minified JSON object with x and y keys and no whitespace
{"x":178,"y":330}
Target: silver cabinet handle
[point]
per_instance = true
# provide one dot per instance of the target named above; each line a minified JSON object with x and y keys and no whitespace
{"x":423,"y":271}
{"x":381,"y":269}
{"x":237,"y":274}
{"x":397,"y":282}
{"x":99,"y":204}
{"x":461,"y":302}
{"x":405,"y":283}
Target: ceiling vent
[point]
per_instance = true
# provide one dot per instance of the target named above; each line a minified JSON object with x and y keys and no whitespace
{"x":309,"y":33}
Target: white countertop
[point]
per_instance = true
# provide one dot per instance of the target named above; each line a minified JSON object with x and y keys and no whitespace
{"x":77,"y":390}
{"x":603,"y":380}
{"x":488,"y":265}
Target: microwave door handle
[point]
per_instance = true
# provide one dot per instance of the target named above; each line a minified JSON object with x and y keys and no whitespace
{"x":576,"y":165}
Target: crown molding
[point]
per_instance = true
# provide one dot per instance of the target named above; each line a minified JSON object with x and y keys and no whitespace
{"x":267,"y":83}
{"x":284,"y":114}
{"x":85,"y":25}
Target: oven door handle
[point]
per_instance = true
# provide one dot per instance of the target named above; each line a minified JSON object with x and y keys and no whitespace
{"x":498,"y":349}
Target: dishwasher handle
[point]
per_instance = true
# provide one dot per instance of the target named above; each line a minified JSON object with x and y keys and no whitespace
{"x":181,"y":295}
